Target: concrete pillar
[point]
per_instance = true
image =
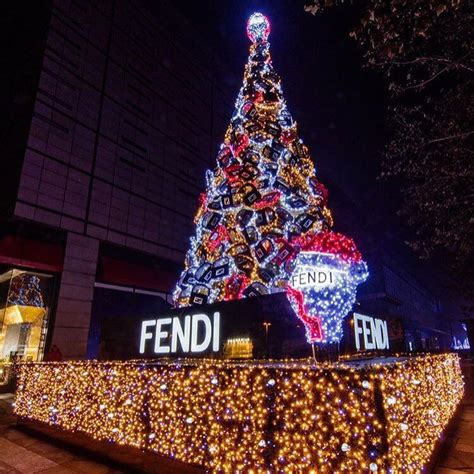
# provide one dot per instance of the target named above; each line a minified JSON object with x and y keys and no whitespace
{"x":71,"y":324}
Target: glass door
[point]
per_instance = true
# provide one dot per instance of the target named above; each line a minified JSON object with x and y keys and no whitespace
{"x":25,"y":300}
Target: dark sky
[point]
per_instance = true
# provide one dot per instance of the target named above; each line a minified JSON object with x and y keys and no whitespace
{"x":339,"y":105}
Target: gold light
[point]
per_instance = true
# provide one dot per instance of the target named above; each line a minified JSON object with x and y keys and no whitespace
{"x":291,"y":416}
{"x":238,"y":348}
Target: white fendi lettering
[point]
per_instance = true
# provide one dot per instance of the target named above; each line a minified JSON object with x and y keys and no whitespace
{"x":374,"y":333}
{"x":179,"y":333}
{"x":195,"y":333}
{"x":145,"y":335}
{"x":159,"y":335}
{"x":201,"y":346}
{"x":314,"y":278}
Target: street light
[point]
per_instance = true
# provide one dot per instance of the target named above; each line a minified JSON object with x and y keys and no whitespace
{"x":266,"y":325}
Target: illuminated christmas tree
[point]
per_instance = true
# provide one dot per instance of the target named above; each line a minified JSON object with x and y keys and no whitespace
{"x":25,"y":290}
{"x":263,"y":204}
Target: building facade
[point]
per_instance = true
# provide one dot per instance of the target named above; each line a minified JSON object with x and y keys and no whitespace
{"x":401,"y":289}
{"x":105,"y":173}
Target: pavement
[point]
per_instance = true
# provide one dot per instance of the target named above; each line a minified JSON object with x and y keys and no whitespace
{"x":456,"y":454}
{"x":27,"y":447}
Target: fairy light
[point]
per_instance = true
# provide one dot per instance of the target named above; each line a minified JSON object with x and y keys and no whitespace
{"x":323,"y":286}
{"x":271,"y":416}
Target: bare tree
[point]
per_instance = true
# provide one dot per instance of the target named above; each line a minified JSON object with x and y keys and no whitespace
{"x":424,"y":48}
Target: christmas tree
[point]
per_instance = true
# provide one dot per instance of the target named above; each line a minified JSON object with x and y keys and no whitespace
{"x":25,"y":290}
{"x":263,"y":203}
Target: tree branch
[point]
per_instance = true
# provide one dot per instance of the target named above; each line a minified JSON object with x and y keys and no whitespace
{"x":451,"y":137}
{"x":427,"y":81}
{"x":451,"y":62}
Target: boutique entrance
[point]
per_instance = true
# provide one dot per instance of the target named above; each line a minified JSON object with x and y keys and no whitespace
{"x":25,"y":299}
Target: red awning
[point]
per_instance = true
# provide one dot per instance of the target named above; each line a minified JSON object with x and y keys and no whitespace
{"x":136,"y":275}
{"x":24,"y":252}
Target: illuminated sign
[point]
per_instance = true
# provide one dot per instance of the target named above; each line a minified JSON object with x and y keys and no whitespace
{"x":370,"y":333}
{"x":308,"y":276}
{"x":322,"y":291}
{"x":231,"y":329}
{"x":193,"y":334}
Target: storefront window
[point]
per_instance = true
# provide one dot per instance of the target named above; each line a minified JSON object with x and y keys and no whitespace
{"x":25,"y":299}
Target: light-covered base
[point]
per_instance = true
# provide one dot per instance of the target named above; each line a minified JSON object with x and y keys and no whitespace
{"x":290,"y":416}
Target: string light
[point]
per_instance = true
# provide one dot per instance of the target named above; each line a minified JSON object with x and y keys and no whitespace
{"x":327,"y":272}
{"x":25,"y":290}
{"x":275,"y":416}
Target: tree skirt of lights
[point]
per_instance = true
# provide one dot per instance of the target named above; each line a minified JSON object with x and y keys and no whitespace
{"x":262,"y":206}
{"x":288,"y":416}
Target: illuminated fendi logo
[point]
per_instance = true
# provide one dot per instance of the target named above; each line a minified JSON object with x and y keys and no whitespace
{"x":196,"y":333}
{"x":322,"y":287}
{"x":374,"y":333}
{"x":308,"y":276}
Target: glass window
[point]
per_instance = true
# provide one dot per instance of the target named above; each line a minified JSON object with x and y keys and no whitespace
{"x":25,"y":299}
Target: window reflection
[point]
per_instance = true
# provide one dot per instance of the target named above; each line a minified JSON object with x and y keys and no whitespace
{"x":24,"y":311}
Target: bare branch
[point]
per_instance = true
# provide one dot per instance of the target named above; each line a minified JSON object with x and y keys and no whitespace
{"x":455,"y":64}
{"x":451,"y":137}
{"x":427,"y":81}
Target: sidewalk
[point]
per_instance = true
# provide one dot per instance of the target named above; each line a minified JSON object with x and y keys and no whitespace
{"x":31,"y":448}
{"x":456,"y":455}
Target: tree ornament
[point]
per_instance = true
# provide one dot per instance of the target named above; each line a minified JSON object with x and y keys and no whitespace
{"x":258,"y":28}
{"x":327,"y":271}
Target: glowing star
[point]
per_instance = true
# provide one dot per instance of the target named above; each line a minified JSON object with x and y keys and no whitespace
{"x":323,"y":285}
{"x":258,"y":28}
